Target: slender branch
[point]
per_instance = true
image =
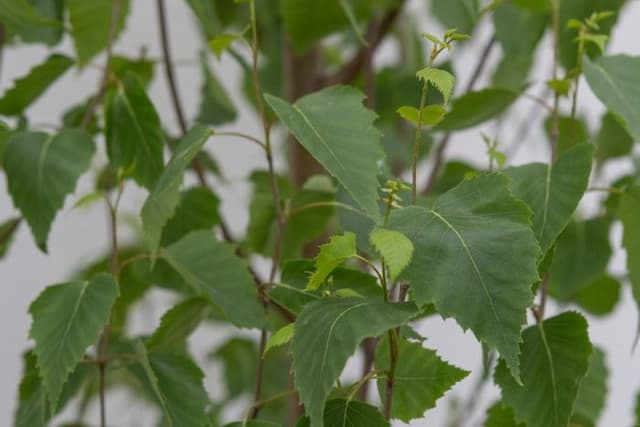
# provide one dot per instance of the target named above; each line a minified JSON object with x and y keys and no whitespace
{"x":544,"y":288}
{"x":444,"y":142}
{"x":259,"y":404}
{"x":376,"y":32}
{"x":243,"y":136}
{"x":104,"y":80}
{"x":259,"y":374}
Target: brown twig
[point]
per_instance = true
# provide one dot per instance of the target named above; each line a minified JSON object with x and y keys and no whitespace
{"x":376,"y":32}
{"x":444,"y":142}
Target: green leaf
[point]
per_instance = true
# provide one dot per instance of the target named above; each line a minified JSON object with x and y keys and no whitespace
{"x":327,"y":18}
{"x":612,"y":140}
{"x":281,"y":337}
{"x":474,"y":108}
{"x":431,"y":114}
{"x":7,"y":231}
{"x":500,"y":415}
{"x":581,"y":256}
{"x":459,"y":245}
{"x":592,"y":392}
{"x":327,"y":334}
{"x":205,"y":11}
{"x":142,"y":67}
{"x":600,"y":297}
{"x":221,"y":42}
{"x":33,"y":410}
{"x":349,"y":413}
{"x":394,"y":247}
{"x":536,"y":5}
{"x":571,"y":131}
{"x":442,"y":80}
{"x":338,"y":131}
{"x":238,"y":357}
{"x":213,"y":269}
{"x":508,"y":19}
{"x":252,"y":423}
{"x":133,"y":132}
{"x":553,"y":192}
{"x":42,"y":170}
{"x":421,"y":378}
{"x":68,"y":318}
{"x":554,"y":360}
{"x":628,"y":214}
{"x":91,"y":25}
{"x":176,"y":382}
{"x":178,"y":324}
{"x":33,"y":20}
{"x":613,"y":80}
{"x":30,"y":87}
{"x":197,"y":210}
{"x":215,"y":106}
{"x":460,"y":14}
{"x":164,"y":197}
{"x":332,"y":254}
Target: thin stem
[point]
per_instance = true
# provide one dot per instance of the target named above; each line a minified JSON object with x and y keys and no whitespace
{"x":544,"y":288}
{"x":539,"y":101}
{"x":259,"y":374}
{"x":243,"y":136}
{"x":104,"y":80}
{"x":444,"y":142}
{"x":357,"y":386}
{"x":131,"y":260}
{"x":606,"y":190}
{"x":312,"y":205}
{"x":274,"y":188}
{"x":393,"y":353}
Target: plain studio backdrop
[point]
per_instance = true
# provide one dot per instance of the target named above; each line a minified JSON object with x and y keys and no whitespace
{"x":80,"y":235}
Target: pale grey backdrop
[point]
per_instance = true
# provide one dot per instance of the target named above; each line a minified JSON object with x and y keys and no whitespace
{"x":79,"y":235}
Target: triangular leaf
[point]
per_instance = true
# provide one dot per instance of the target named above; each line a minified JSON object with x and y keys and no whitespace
{"x":338,"y":250}
{"x":420,"y":379}
{"x":394,"y":247}
{"x":338,"y":131}
{"x":42,"y":170}
{"x":7,"y":231}
{"x":177,"y":324}
{"x":212,"y":268}
{"x":474,"y":108}
{"x":68,"y":318}
{"x":614,"y":82}
{"x":27,"y":89}
{"x":176,"y":382}
{"x":91,"y":25}
{"x":552,"y":191}
{"x":134,"y":136}
{"x":281,"y":337}
{"x":442,"y":80}
{"x":555,"y":358}
{"x":327,"y":334}
{"x":475,"y":260}
{"x":165,"y":194}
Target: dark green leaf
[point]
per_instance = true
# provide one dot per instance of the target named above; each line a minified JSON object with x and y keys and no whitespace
{"x":459,"y":14}
{"x":338,"y":131}
{"x":42,"y":170}
{"x":421,"y":378}
{"x":213,"y":269}
{"x":508,"y":20}
{"x":628,"y":214}
{"x":474,"y":108}
{"x":592,"y":392}
{"x":500,"y":415}
{"x":349,"y":413}
{"x":612,"y":140}
{"x":475,"y":260}
{"x":327,"y":333}
{"x":215,"y":106}
{"x":7,"y":231}
{"x":34,"y":20}
{"x":27,"y":89}
{"x":177,"y":324}
{"x":332,"y":254}
{"x":68,"y":318}
{"x":91,"y":25}
{"x":554,"y":360}
{"x":571,"y":131}
{"x":581,"y":256}
{"x":163,"y":199}
{"x":614,"y":81}
{"x":176,"y":382}
{"x":197,"y":210}
{"x":143,"y":68}
{"x":135,"y":141}
{"x":600,"y":297}
{"x":553,"y":192}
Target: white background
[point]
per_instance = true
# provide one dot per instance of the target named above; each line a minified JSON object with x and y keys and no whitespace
{"x":80,"y":235}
